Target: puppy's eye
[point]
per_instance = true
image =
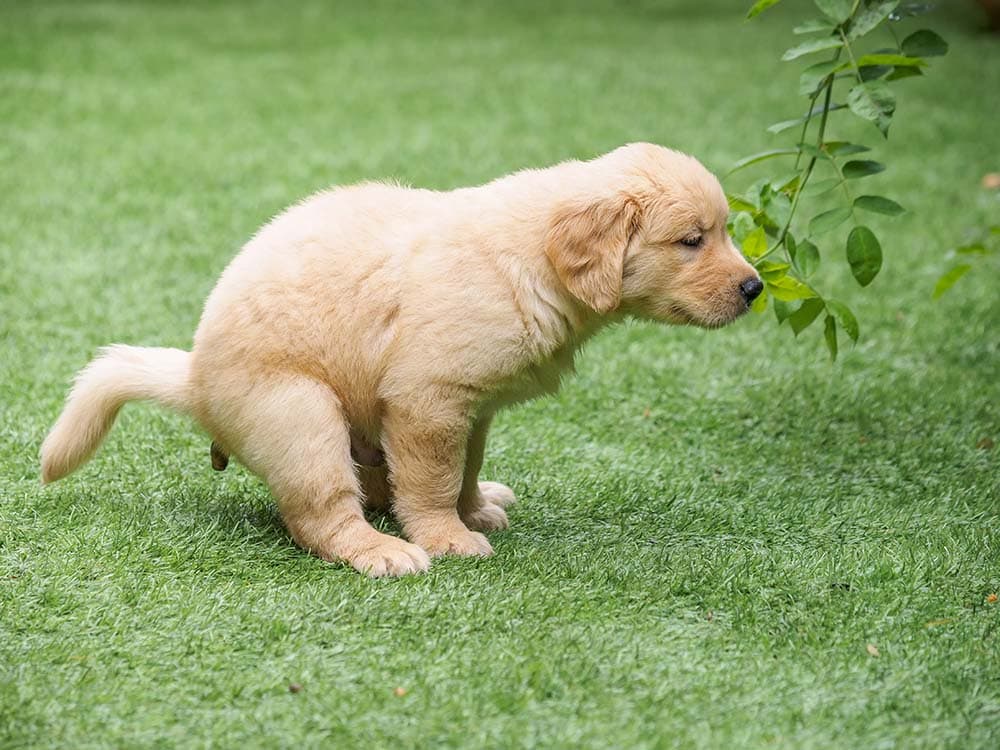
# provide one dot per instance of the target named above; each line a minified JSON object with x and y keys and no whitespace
{"x":693,"y":241}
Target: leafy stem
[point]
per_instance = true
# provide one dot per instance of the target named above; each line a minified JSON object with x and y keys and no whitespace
{"x":827,"y":91}
{"x":843,"y":184}
{"x":761,"y":220}
{"x":808,"y":120}
{"x":895,"y":38}
{"x":850,"y":53}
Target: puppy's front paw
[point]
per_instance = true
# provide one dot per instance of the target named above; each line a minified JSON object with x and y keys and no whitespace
{"x":389,"y":556}
{"x":453,"y":539}
{"x":487,"y":517}
{"x":496,"y":493}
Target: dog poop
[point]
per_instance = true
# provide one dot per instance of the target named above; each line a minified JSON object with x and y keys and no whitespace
{"x":220,"y":459}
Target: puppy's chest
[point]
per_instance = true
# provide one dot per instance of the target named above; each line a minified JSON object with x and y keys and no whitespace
{"x":534,"y":380}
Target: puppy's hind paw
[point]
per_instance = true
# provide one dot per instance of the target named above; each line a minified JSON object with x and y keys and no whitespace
{"x":496,"y":493}
{"x":487,"y":517}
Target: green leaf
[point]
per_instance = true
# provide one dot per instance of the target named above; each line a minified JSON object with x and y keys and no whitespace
{"x":813,"y":150}
{"x":759,"y":305}
{"x":807,"y":258}
{"x":821,"y":108}
{"x":760,"y":6}
{"x":947,"y":281}
{"x":821,"y":187}
{"x":864,"y":254}
{"x":976,"y":248}
{"x":924,"y":43}
{"x":845,"y":317}
{"x":808,"y":311}
{"x":872,"y":72}
{"x":874,"y":101}
{"x":844,"y":148}
{"x":870,"y":18}
{"x":778,"y":127}
{"x":837,"y":11}
{"x":995,"y":230}
{"x":906,"y":10}
{"x":788,"y":183}
{"x":789,"y":289}
{"x":830,"y":334}
{"x":746,"y":161}
{"x":813,"y":76}
{"x":742,"y":226}
{"x":758,"y":194}
{"x":755,"y":244}
{"x":898,"y":61}
{"x":813,"y":45}
{"x":781,"y":127}
{"x":770,"y":270}
{"x":739,"y":203}
{"x":813,"y":26}
{"x":791,"y":245}
{"x":898,"y":73}
{"x":856,"y":169}
{"x":828,"y":220}
{"x":778,"y":207}
{"x":781,"y":310}
{"x":879,"y":205}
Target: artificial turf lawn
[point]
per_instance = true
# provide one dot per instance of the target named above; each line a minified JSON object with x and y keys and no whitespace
{"x":715,"y":529}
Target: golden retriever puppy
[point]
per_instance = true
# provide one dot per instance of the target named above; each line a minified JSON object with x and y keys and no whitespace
{"x":382,"y":320}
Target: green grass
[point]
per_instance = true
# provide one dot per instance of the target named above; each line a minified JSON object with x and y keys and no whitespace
{"x":713,"y":526}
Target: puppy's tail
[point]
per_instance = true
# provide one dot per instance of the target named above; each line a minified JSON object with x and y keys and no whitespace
{"x":117,"y":375}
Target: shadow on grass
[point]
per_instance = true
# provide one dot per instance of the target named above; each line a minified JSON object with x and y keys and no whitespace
{"x":237,"y":521}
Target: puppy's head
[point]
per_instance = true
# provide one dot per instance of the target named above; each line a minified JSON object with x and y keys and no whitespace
{"x":647,"y":236}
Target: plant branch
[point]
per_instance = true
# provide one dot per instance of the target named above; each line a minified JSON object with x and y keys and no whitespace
{"x":807,"y":172}
{"x":895,"y":38}
{"x":808,"y":122}
{"x":850,"y":53}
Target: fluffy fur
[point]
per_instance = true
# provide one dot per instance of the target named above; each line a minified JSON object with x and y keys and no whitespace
{"x":379,"y":319}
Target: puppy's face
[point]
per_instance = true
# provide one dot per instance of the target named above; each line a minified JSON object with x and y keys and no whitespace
{"x":656,"y":246}
{"x":680,"y":265}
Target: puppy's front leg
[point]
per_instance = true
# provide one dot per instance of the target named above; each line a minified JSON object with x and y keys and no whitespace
{"x":481,"y":504}
{"x":426,"y":448}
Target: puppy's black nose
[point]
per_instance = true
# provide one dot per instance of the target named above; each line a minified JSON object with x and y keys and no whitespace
{"x":751,"y":289}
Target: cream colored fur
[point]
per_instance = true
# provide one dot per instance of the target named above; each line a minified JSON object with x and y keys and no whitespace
{"x":401,"y":319}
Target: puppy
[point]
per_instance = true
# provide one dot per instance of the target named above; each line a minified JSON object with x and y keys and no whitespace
{"x":378,"y":320}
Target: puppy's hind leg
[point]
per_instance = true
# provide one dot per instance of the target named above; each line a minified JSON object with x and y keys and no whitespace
{"x":294,"y":434}
{"x":481,"y":504}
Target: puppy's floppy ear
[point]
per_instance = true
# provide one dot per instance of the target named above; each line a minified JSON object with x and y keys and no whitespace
{"x":586,"y":245}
